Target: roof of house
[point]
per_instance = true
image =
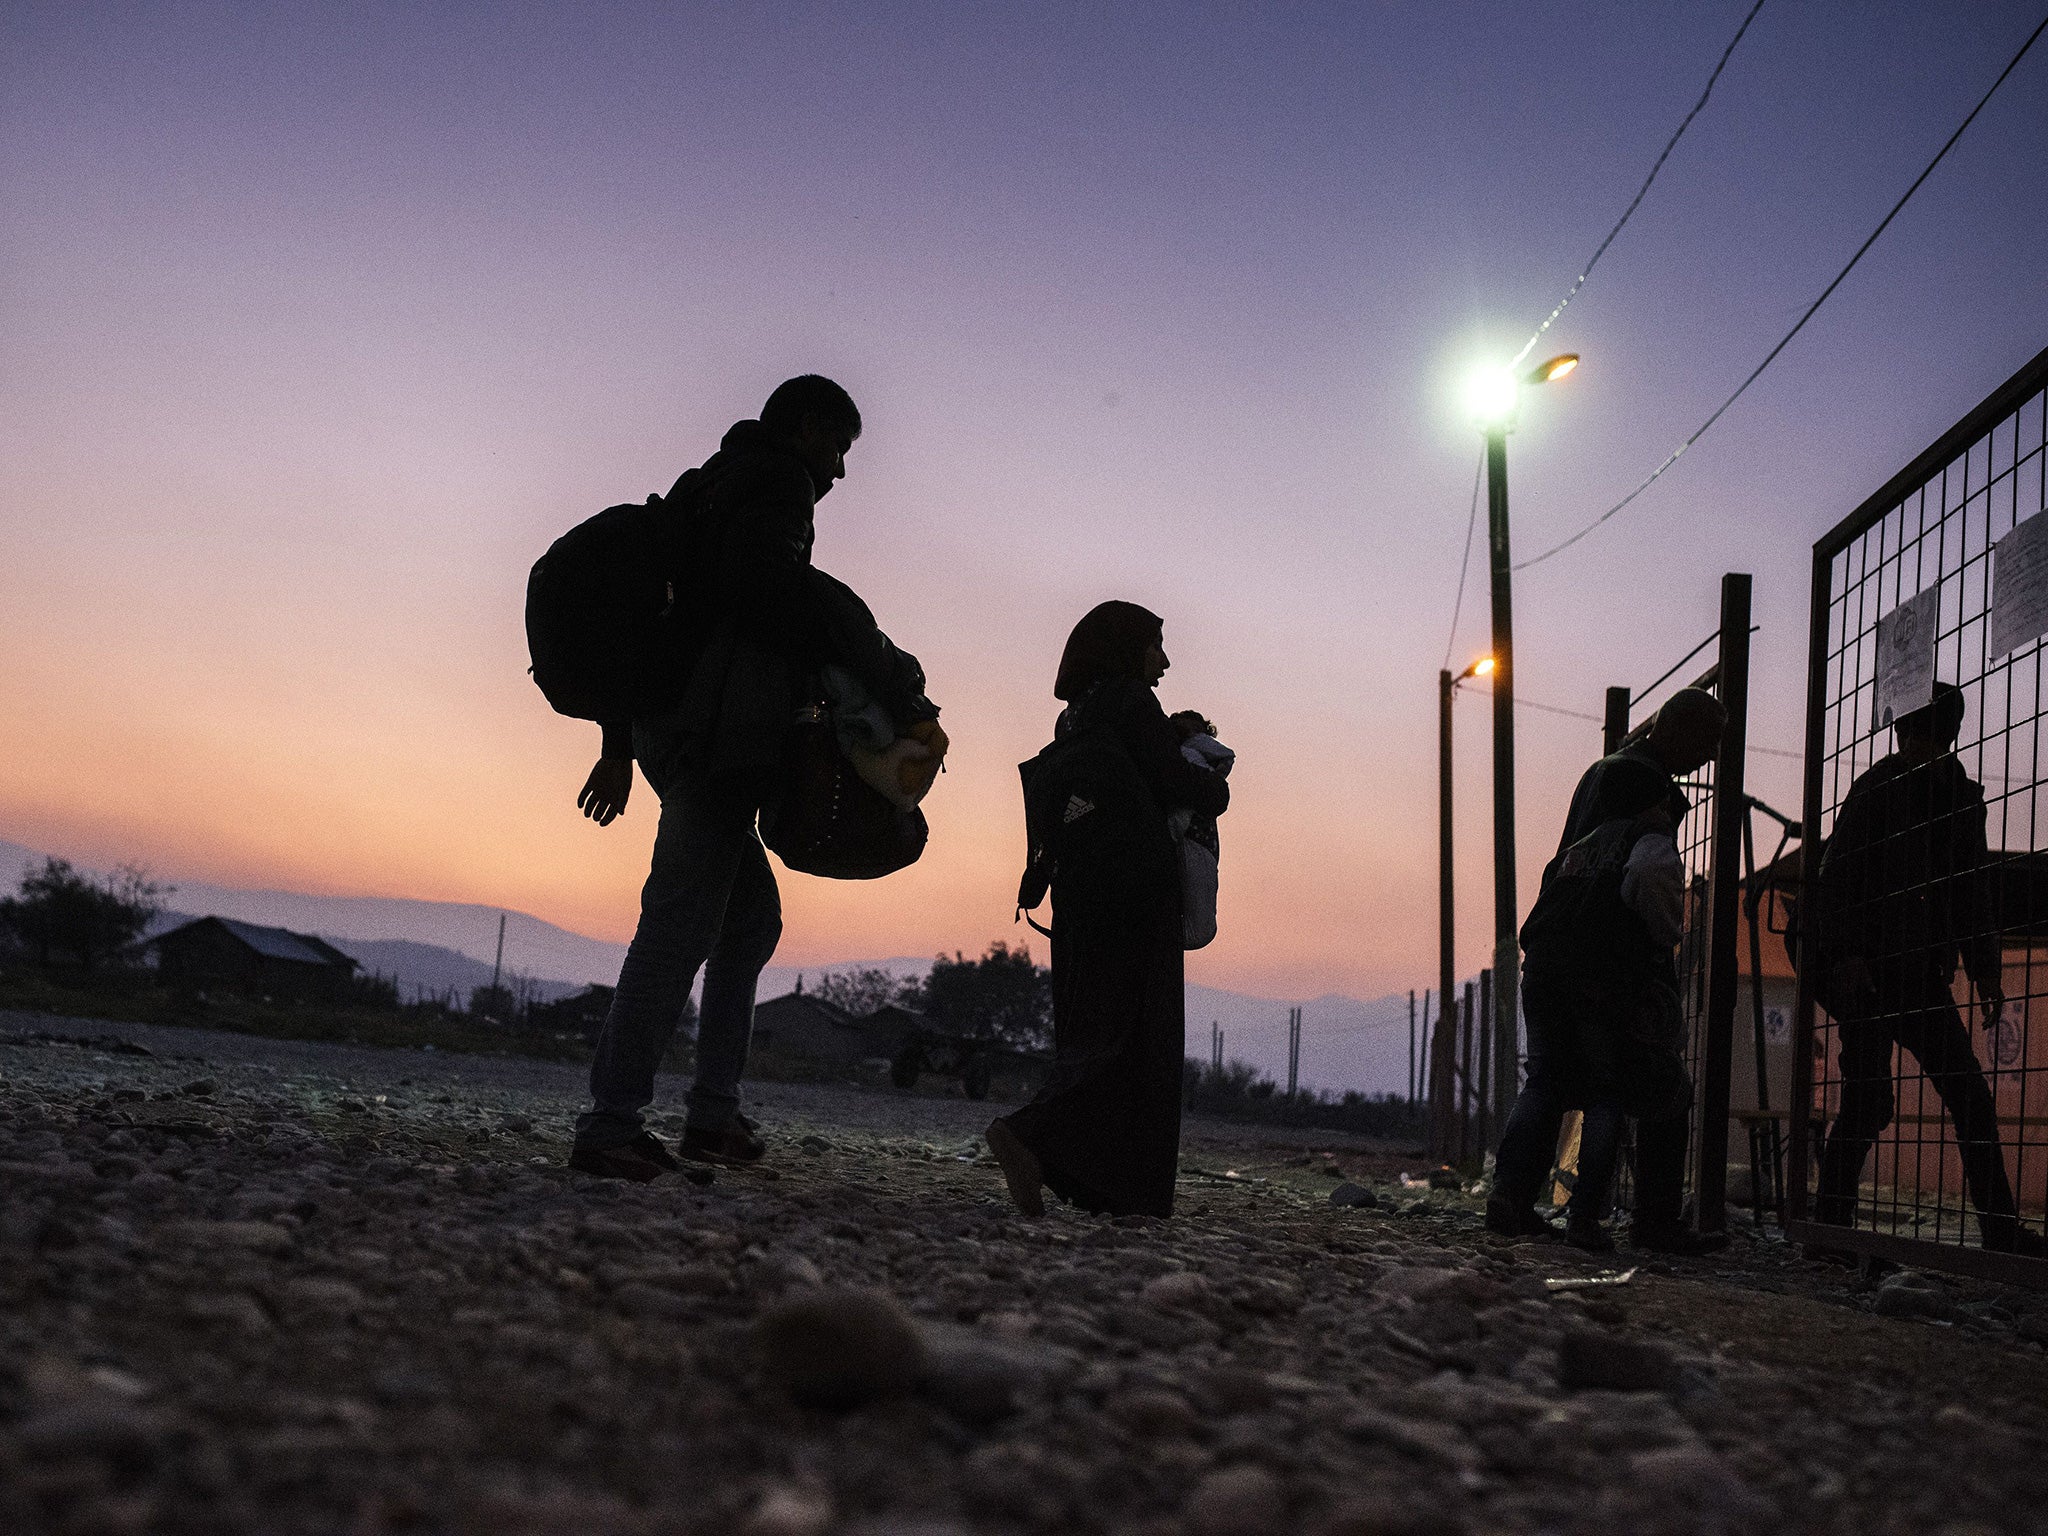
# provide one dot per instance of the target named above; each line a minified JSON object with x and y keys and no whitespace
{"x":830,"y":1012}
{"x":271,"y":943}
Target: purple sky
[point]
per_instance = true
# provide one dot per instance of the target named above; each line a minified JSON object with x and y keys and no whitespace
{"x":319,"y":322}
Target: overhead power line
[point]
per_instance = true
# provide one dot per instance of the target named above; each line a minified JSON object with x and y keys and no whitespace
{"x":1522,"y":701}
{"x":1811,"y":309}
{"x":1636,"y":202}
{"x":1465,"y":565}
{"x":1472,"y":521}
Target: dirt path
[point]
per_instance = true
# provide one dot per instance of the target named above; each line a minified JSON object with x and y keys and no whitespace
{"x":262,"y":1286}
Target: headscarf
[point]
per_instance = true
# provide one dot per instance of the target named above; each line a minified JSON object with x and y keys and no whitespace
{"x":1110,"y":641}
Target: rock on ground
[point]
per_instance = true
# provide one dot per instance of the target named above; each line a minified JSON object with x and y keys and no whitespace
{"x":252,"y":1286}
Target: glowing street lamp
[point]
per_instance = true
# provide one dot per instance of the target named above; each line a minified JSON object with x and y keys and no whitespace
{"x":1493,"y":396}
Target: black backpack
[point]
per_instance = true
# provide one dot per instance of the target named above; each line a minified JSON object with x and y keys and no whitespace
{"x":1091,"y":821}
{"x":1579,"y":919}
{"x":606,"y":623}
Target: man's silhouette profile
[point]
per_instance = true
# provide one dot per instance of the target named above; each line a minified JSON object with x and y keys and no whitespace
{"x":759,"y":621}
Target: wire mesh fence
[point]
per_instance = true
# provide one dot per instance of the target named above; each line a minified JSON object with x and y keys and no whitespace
{"x":1920,"y":1125}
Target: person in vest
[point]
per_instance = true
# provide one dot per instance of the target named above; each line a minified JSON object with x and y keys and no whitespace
{"x":1104,"y":1132}
{"x":761,"y":621}
{"x":1902,"y":903}
{"x":1604,"y":1036}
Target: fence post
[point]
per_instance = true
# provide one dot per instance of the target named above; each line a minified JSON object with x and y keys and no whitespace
{"x":1799,"y":1154}
{"x":1443,"y":1056}
{"x":1485,"y":1027}
{"x":1614,"y":729}
{"x":1506,"y":1072}
{"x":1724,"y":881}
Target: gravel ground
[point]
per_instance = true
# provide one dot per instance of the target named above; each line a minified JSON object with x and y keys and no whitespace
{"x":251,"y":1285}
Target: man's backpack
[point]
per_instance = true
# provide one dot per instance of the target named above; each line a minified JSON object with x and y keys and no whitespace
{"x":1579,"y":919}
{"x":605,"y":622}
{"x":1090,"y":820}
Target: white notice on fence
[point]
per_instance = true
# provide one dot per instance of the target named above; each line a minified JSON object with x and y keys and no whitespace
{"x":1905,"y":657}
{"x":2019,"y":586}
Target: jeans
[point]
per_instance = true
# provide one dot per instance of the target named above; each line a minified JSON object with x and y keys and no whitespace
{"x":1614,"y":1055}
{"x":1556,"y":1082}
{"x":710,"y":902}
{"x":1927,"y":1024}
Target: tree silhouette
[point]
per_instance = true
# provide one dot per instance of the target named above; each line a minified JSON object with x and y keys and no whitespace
{"x":861,"y":992}
{"x":1003,"y":996}
{"x":60,"y":910}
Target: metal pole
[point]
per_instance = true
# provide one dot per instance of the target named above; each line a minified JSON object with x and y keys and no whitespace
{"x":1465,"y":1067}
{"x":1507,"y":1079}
{"x":1414,"y":1059}
{"x":1724,"y":884}
{"x":1443,"y":1051}
{"x":1614,"y":730}
{"x":1804,"y":1131}
{"x":1507,"y":954}
{"x":1482,"y":1082}
{"x":1752,"y":909}
{"x":1446,"y":943}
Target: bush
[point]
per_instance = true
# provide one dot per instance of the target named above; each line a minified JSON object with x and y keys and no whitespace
{"x":1238,"y":1090}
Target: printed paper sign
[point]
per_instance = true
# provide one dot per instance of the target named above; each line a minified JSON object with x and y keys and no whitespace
{"x":1905,"y":657}
{"x":2019,"y":586}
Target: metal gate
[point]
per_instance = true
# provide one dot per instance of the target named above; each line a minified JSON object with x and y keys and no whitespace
{"x":1920,"y":1113}
{"x":1710,"y":842}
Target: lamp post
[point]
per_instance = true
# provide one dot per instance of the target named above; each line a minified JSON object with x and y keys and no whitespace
{"x":1494,"y":398}
{"x":1447,"y":979}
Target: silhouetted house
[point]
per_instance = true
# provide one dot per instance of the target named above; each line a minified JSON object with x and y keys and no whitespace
{"x":804,"y":1025}
{"x":583,"y":1012}
{"x":219,"y":952}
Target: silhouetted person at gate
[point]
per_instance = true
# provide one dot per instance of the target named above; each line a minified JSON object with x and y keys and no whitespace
{"x":1901,"y":905}
{"x":1600,"y":993}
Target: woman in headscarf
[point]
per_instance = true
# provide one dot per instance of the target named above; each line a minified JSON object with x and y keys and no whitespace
{"x":1104,"y":1132}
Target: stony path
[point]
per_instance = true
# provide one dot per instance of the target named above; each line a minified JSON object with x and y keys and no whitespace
{"x":258,"y":1286}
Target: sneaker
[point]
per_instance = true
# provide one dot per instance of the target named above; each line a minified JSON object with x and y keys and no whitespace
{"x":2011,"y":1237}
{"x":1588,"y":1235}
{"x":1507,"y":1220}
{"x":732,"y":1145}
{"x":1681,"y":1242}
{"x":641,"y":1159}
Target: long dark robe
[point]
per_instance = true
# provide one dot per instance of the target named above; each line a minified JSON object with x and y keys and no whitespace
{"x":1106,"y":1126}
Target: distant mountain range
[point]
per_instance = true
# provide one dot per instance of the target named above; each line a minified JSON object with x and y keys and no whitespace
{"x":439,"y":946}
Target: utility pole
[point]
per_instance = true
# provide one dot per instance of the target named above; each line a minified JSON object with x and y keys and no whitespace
{"x":1411,"y":1044}
{"x":1507,"y":953}
{"x":1293,"y":1050}
{"x":1446,"y":942}
{"x":1495,"y":401}
{"x":1215,"y":1045}
{"x":498,"y":964}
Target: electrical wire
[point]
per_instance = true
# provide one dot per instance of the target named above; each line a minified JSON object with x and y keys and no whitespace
{"x":1465,"y":565}
{"x":1800,"y":324}
{"x":1634,"y":203}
